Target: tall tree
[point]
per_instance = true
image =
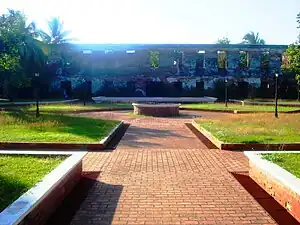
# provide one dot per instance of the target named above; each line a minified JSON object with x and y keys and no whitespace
{"x":19,"y":50}
{"x":298,"y":21}
{"x":223,"y":40}
{"x":253,"y":39}
{"x":56,"y":33}
{"x":292,"y":59}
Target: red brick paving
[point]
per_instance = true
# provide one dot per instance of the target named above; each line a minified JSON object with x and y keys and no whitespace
{"x":162,"y":174}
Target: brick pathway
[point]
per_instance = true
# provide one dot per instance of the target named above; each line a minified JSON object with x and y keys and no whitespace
{"x":162,"y":174}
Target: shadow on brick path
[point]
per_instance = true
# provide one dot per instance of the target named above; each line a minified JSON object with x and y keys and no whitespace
{"x":103,"y":204}
{"x":114,"y":142}
{"x":276,"y":211}
{"x":201,"y":137}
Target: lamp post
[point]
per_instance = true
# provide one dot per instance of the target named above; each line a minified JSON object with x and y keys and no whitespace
{"x":276,"y":95}
{"x":84,"y":92}
{"x":37,"y":112}
{"x":226,"y":92}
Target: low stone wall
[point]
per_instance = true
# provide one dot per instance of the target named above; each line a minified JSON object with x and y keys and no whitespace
{"x":48,"y":205}
{"x":279,"y":183}
{"x":165,"y":110}
{"x":41,"y":201}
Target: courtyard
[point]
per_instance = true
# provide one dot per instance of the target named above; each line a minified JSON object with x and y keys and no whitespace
{"x":162,"y":173}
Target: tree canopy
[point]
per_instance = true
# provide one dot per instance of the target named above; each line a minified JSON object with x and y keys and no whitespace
{"x":56,"y":33}
{"x":223,"y":40}
{"x":253,"y":39}
{"x":20,"y":54}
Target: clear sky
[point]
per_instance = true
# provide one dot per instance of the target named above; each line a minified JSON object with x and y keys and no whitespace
{"x":166,"y":21}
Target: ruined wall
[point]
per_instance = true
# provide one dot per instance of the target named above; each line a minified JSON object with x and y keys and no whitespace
{"x":121,"y":66}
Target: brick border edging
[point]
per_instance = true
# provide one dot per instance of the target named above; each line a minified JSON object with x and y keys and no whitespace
{"x":283,"y":186}
{"x":241,"y":146}
{"x":237,"y":111}
{"x":62,"y":146}
{"x":37,"y":204}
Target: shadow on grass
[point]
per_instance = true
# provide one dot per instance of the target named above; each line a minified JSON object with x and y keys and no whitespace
{"x":10,"y":190}
{"x":276,"y":211}
{"x":80,"y":126}
{"x":90,"y":200}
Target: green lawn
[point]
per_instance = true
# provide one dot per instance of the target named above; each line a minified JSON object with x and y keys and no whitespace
{"x":254,"y":128}
{"x":24,"y":127}
{"x":288,"y":161}
{"x":239,"y":107}
{"x":78,"y":107}
{"x":272,"y":100}
{"x":20,"y":173}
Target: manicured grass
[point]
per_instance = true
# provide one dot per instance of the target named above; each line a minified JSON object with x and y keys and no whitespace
{"x":78,"y":107}
{"x":288,"y":161}
{"x":272,"y":100}
{"x":239,"y":107}
{"x":24,"y":127}
{"x":20,"y":173}
{"x":254,"y":128}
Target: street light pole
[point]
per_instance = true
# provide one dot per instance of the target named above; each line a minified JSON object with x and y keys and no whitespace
{"x":276,"y":95}
{"x":37,"y":112}
{"x":226,"y":92}
{"x":84,"y":92}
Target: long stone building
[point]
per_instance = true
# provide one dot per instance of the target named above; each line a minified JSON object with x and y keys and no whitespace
{"x":127,"y":69}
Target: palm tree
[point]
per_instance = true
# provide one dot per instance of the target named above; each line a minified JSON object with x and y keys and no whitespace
{"x":253,"y":39}
{"x":56,"y":34}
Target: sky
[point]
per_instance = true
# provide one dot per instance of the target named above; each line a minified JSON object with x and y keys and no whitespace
{"x":166,"y":21}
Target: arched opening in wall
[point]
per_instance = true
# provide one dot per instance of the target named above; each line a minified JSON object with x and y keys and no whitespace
{"x":264,"y":62}
{"x":200,"y":63}
{"x":222,"y":62}
{"x":244,"y":60}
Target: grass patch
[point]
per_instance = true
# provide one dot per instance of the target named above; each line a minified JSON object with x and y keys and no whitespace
{"x":254,"y":128}
{"x":291,"y":101}
{"x":239,"y":107}
{"x":20,"y":173}
{"x":78,"y":107}
{"x":24,"y":127}
{"x":288,"y":161}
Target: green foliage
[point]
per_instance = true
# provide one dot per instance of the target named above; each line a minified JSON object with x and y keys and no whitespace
{"x":56,"y":34}
{"x":292,"y":55}
{"x":223,"y":40}
{"x":243,"y":60}
{"x":154,"y":59}
{"x":297,"y":78}
{"x":253,"y":39}
{"x":20,"y":52}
